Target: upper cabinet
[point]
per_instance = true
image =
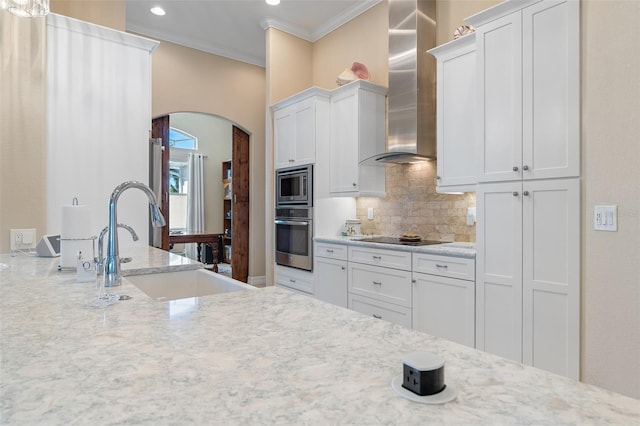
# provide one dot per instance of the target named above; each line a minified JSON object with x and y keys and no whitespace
{"x":527,"y":90}
{"x":456,"y":74}
{"x":358,"y":131}
{"x":296,"y":122}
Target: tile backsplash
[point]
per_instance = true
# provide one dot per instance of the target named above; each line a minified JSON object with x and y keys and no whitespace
{"x":413,"y":205}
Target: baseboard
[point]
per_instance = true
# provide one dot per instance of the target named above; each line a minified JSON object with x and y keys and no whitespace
{"x":260,"y":281}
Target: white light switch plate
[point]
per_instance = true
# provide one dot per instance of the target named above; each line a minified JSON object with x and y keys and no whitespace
{"x":370,"y":213}
{"x":605,"y":218}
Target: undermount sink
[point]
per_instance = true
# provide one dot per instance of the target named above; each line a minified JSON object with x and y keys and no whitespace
{"x":168,"y":286}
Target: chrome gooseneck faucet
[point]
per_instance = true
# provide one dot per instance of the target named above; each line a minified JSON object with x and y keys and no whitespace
{"x":112,"y":261}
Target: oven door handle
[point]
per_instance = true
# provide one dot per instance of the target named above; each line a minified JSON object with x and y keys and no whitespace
{"x":291,"y":222}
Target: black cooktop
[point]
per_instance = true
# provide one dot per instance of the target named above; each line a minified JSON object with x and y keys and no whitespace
{"x":393,"y":240}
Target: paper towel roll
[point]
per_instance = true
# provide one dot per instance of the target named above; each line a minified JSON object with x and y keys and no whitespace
{"x":75,"y":234}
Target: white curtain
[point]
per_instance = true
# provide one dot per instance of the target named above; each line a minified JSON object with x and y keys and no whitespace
{"x":195,"y":198}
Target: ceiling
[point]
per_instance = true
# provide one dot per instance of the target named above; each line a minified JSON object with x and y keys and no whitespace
{"x":236,"y":28}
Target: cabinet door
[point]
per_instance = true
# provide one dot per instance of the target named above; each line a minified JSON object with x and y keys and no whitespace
{"x":456,"y":93}
{"x":284,"y":135}
{"x":295,"y":279}
{"x":344,"y":142}
{"x":551,"y":90}
{"x":499,"y":108}
{"x":380,"y":310}
{"x":331,"y":281}
{"x":384,"y":284}
{"x":444,"y":307}
{"x":304,"y":144}
{"x":499,"y":269}
{"x":551,"y":272}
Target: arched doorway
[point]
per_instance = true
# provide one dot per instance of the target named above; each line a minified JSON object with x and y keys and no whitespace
{"x":225,"y":204}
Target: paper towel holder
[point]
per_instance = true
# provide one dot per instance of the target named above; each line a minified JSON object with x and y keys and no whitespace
{"x":93,"y":247}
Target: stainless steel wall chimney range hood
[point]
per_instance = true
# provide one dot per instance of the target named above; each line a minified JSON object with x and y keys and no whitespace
{"x":412,"y":83}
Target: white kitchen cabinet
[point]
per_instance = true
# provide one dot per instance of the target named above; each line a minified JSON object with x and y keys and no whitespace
{"x":380,"y":310}
{"x":528,"y":271}
{"x":384,"y":284}
{"x":379,"y":283}
{"x":528,"y":84}
{"x":444,"y":297}
{"x":299,"y":123}
{"x":294,"y":279}
{"x":456,"y":114}
{"x":330,"y":271}
{"x":381,"y":257}
{"x":358,"y":131}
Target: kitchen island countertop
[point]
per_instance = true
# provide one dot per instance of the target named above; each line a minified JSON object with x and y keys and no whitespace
{"x":252,"y":357}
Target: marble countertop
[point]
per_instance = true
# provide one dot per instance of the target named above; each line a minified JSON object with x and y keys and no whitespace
{"x":457,"y":249}
{"x":252,"y":357}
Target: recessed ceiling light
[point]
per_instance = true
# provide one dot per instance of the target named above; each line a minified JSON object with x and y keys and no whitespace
{"x":272,"y":2}
{"x":157,"y":10}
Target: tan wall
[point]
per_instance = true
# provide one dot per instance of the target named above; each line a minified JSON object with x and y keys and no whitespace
{"x":363,"y":40}
{"x":108,"y":13}
{"x":611,"y":175}
{"x":22,"y":114}
{"x":289,"y":64}
{"x":186,"y":79}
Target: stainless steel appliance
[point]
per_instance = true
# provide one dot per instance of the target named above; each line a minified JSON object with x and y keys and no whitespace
{"x":294,"y":186}
{"x":294,"y":237}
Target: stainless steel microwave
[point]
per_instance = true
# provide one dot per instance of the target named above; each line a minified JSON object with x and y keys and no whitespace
{"x":294,"y":186}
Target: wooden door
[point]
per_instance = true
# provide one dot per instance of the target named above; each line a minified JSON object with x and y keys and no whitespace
{"x":240,"y":206}
{"x":160,"y":129}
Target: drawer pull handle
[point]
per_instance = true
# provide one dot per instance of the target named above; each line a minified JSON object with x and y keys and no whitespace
{"x":377,"y":316}
{"x":377,"y":257}
{"x":329,"y":251}
{"x":377,"y":282}
{"x":292,"y":280}
{"x":441,"y":266}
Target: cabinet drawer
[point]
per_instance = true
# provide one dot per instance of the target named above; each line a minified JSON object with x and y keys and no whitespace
{"x":385,"y":284}
{"x":381,"y":310}
{"x":381,"y":257}
{"x":445,"y":266}
{"x":331,"y":251}
{"x":294,"y":279}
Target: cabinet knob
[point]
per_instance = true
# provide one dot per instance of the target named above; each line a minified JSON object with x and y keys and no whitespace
{"x":343,"y":268}
{"x":525,"y":168}
{"x":515,"y":193}
{"x":515,"y":168}
{"x":438,"y":177}
{"x":414,"y":281}
{"x":525,"y":193}
{"x":291,"y":160}
{"x":377,"y":316}
{"x":354,"y":184}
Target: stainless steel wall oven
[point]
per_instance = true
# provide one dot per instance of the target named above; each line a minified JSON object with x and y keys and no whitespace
{"x":294,"y":237}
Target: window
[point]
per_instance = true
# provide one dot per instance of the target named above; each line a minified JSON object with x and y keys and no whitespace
{"x":182,"y":140}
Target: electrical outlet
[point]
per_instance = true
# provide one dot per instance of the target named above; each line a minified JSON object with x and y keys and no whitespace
{"x":23,"y":239}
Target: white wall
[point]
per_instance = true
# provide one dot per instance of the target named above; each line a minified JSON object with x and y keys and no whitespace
{"x":98,"y":115}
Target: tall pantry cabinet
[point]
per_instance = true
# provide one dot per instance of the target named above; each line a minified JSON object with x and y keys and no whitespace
{"x":528,"y":196}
